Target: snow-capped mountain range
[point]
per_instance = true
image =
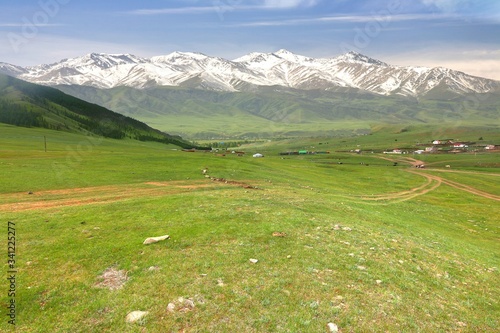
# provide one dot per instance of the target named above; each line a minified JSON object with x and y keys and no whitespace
{"x":281,"y":68}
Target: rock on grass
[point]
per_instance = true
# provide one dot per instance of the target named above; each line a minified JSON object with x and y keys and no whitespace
{"x":135,"y":316}
{"x":151,"y":240}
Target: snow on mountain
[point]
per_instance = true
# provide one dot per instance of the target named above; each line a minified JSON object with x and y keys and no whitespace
{"x":11,"y":70}
{"x":281,"y":68}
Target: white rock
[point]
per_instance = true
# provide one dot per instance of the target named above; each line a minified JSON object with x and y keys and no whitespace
{"x":171,"y":307}
{"x":378,"y":281}
{"x":152,"y":240}
{"x":135,"y":316}
{"x":254,"y":261}
{"x":332,"y":327}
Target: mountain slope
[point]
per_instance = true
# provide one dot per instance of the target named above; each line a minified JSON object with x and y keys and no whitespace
{"x":276,"y":111}
{"x":31,"y":105}
{"x":282,"y":68}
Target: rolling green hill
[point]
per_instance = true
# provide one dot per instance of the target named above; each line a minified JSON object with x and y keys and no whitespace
{"x":30,"y":105}
{"x":278,"y":111}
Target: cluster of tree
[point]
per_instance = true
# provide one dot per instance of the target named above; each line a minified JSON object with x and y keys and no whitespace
{"x":228,"y":144}
{"x":170,"y":140}
{"x":19,"y":115}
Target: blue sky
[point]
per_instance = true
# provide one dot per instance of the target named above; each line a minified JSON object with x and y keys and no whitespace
{"x":458,"y":34}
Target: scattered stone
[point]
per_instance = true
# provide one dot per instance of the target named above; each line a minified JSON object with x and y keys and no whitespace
{"x":279,"y":234}
{"x":152,"y":240}
{"x":30,"y":192}
{"x":289,"y":257}
{"x":112,"y":279}
{"x":333,"y":328}
{"x":220,"y":282}
{"x":378,"y":281}
{"x":361,"y":268}
{"x":135,"y":316}
{"x":346,"y":229}
{"x":184,"y":304}
{"x":153,"y":268}
{"x":254,"y":261}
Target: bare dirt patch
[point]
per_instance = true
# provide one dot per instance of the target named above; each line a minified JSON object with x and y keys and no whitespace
{"x":112,"y":279}
{"x":38,"y":200}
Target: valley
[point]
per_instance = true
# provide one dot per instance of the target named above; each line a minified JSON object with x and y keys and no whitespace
{"x":354,"y":243}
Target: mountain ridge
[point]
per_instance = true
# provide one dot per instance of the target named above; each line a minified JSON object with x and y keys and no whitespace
{"x":281,"y":68}
{"x":29,"y":105}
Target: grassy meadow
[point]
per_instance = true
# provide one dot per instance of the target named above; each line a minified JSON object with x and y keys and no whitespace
{"x":363,"y":244}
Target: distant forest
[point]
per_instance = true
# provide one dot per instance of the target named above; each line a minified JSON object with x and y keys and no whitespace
{"x":15,"y":114}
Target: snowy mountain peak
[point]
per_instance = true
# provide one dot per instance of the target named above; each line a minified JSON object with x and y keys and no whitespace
{"x":179,"y":55}
{"x":280,"y":68}
{"x":292,"y":57}
{"x":11,"y":70}
{"x":355,"y":57}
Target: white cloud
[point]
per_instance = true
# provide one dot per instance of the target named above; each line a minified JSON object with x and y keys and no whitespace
{"x":170,"y":11}
{"x":278,"y":4}
{"x":227,"y":6}
{"x":348,"y":19}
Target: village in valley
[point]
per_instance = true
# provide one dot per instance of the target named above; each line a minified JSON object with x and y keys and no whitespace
{"x":446,"y":146}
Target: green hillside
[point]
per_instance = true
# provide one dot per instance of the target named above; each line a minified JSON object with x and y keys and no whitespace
{"x":278,"y":111}
{"x":365,"y":244}
{"x":30,"y":105}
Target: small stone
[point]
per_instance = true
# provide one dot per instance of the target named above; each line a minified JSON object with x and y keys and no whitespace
{"x":171,"y":307}
{"x":378,"y":281}
{"x":152,"y":240}
{"x":254,"y":261}
{"x":153,"y":268}
{"x":362,"y":268}
{"x":289,"y":257}
{"x":220,"y":282}
{"x":333,"y":328}
{"x":135,"y":316}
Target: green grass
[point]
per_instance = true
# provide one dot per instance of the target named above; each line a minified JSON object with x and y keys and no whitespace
{"x":436,"y":254}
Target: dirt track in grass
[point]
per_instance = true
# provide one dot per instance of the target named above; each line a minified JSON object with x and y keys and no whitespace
{"x":24,"y":201}
{"x":432,"y":183}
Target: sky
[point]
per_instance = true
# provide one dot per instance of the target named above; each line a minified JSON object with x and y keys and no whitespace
{"x":458,"y":34}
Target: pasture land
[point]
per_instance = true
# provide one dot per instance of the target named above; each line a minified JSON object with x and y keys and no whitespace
{"x":364,"y":244}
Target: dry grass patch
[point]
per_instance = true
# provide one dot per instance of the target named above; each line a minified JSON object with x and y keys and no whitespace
{"x":112,"y":279}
